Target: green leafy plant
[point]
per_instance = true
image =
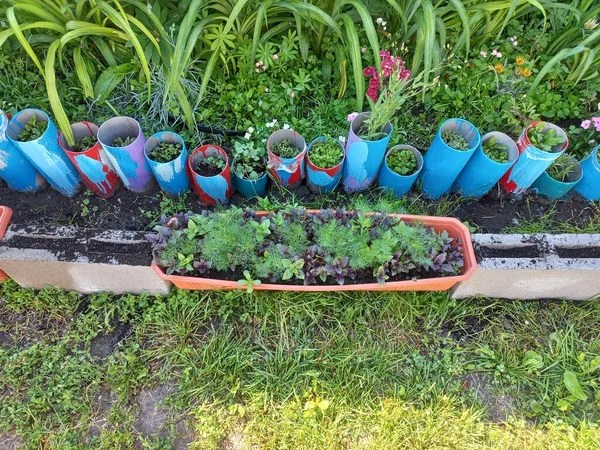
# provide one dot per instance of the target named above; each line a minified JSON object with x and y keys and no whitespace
{"x":544,"y":138}
{"x":326,"y":154}
{"x":285,"y":149}
{"x":213,"y":163}
{"x":495,"y":150}
{"x":562,"y":168}
{"x":402,"y":161}
{"x":84,"y":143}
{"x":34,"y":129}
{"x":455,"y":140}
{"x":249,"y":160}
{"x":123,"y":142}
{"x":249,"y":282}
{"x":165,"y":152}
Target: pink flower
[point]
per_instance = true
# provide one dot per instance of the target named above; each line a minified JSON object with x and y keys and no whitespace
{"x":387,"y":63}
{"x":586,"y":124}
{"x":352,"y":116}
{"x":363,"y":50}
{"x":384,"y":54}
{"x":495,"y":52}
{"x":599,"y":106}
{"x":369,"y":71}
{"x":373,"y":82}
{"x":372,"y":93}
{"x":386,"y":72}
{"x":483,"y":53}
{"x":404,"y":75}
{"x":596,"y":122}
{"x":275,"y":57}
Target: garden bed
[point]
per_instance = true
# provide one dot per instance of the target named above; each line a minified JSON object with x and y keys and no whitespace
{"x":127,"y":210}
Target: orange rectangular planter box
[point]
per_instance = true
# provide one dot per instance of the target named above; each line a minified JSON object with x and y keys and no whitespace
{"x":5,"y":214}
{"x":454,"y":228}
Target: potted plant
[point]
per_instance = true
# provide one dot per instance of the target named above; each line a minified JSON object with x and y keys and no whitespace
{"x":167,"y":157}
{"x":123,"y":142}
{"x":370,"y":132}
{"x":208,"y":168}
{"x":400,"y":169}
{"x":491,"y":160}
{"x":249,"y":169}
{"x":97,"y":176}
{"x":589,"y":186}
{"x":559,"y":178}
{"x":540,"y":144}
{"x":15,"y":168}
{"x":327,"y":250}
{"x":451,"y":149}
{"x":324,"y":164}
{"x":286,"y":150}
{"x":36,"y":136}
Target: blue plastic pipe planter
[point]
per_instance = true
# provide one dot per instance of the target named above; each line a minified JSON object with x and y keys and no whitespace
{"x":249,"y":188}
{"x":589,"y":186}
{"x":171,"y":176}
{"x":44,"y":153}
{"x":321,"y":180}
{"x":363,"y":158}
{"x":15,"y":168}
{"x":395,"y":183}
{"x":481,"y":173}
{"x":532,"y":161}
{"x":442,"y":163}
{"x":554,"y":189}
{"x":129,"y":162}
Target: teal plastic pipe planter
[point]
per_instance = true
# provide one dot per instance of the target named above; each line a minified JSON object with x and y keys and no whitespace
{"x":554,"y":189}
{"x":395,"y":183}
{"x":15,"y":168}
{"x":481,"y":173}
{"x":442,"y":164}
{"x":250,"y":188}
{"x":44,"y":153}
{"x":589,"y":186}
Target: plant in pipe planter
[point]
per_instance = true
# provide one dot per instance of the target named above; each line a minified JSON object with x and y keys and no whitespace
{"x":455,"y":140}
{"x":562,"y":168}
{"x":85,"y":143}
{"x":585,"y":137}
{"x":34,"y":129}
{"x":123,"y":142}
{"x":210,"y":166}
{"x":495,"y":150}
{"x":285,"y":149}
{"x":403,"y":162}
{"x":165,"y":152}
{"x":544,"y":140}
{"x":326,"y":154}
{"x":296,"y":247}
{"x":249,"y":160}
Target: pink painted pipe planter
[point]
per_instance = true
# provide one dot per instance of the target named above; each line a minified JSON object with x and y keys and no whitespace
{"x":95,"y":172}
{"x":214,"y":190}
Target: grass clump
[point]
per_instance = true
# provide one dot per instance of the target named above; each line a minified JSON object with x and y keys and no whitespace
{"x":562,"y":168}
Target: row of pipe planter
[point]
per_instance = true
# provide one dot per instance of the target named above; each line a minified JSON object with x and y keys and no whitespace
{"x":26,"y":166}
{"x":469,"y":172}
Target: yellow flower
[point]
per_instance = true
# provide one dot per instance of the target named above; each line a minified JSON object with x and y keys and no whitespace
{"x":527,"y":72}
{"x":519,"y":71}
{"x":520,"y":60}
{"x":499,"y":68}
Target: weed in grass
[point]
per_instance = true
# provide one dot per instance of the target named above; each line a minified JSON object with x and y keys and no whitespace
{"x":455,"y":140}
{"x":33,"y":129}
{"x":86,"y":208}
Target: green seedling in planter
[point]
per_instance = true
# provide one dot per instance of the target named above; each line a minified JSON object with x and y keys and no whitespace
{"x":292,"y":269}
{"x":33,"y":130}
{"x":120,"y":142}
{"x":544,"y":141}
{"x":165,"y":152}
{"x":263,"y":229}
{"x":495,"y":151}
{"x":285,"y":149}
{"x":185,"y":262}
{"x":214,"y":162}
{"x":85,"y":143}
{"x":562,"y":168}
{"x":326,"y":154}
{"x":403,"y":162}
{"x":249,"y":160}
{"x":249,"y":282}
{"x":455,"y":140}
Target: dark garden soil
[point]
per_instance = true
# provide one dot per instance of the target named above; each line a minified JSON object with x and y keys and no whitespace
{"x":129,"y":211}
{"x":206,"y":170}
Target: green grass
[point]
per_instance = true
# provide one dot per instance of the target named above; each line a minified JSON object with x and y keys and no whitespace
{"x":276,"y":371}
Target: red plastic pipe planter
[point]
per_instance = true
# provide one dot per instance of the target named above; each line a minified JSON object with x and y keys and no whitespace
{"x":214,"y":190}
{"x":5,"y":215}
{"x":454,"y":228}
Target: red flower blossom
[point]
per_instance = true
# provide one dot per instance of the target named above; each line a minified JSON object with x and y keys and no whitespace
{"x":369,"y":71}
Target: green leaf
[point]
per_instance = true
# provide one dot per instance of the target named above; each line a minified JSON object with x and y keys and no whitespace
{"x":59,"y":113}
{"x":573,"y":386}
{"x":110,"y":78}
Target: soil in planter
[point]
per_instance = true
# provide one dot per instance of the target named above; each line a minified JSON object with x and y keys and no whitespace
{"x":85,"y":143}
{"x":209,"y":166}
{"x":130,"y":211}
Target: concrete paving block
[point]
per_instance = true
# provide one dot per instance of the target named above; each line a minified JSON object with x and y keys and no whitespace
{"x":565,"y":266}
{"x":82,"y":260}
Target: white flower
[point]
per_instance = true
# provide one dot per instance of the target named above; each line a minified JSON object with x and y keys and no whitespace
{"x":286,"y":126}
{"x":342,"y":139}
{"x":483,"y":53}
{"x":515,"y":43}
{"x":266,"y":89}
{"x":247,"y":136}
{"x":251,"y":130}
{"x":379,"y":21}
